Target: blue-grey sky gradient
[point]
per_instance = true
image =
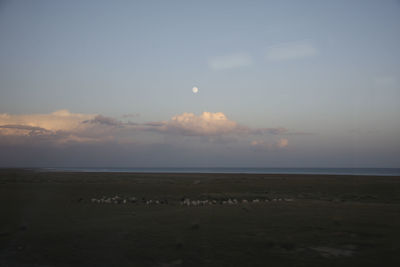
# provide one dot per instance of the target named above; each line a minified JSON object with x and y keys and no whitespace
{"x":328,"y":69}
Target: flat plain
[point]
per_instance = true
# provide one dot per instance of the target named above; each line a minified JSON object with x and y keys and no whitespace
{"x":61,"y":219}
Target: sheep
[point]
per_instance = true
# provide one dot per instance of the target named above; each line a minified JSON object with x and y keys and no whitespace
{"x":186,"y":202}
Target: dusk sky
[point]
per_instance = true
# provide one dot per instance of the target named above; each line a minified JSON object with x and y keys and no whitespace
{"x":280,"y":83}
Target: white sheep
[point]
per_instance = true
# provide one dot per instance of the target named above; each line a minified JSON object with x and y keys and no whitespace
{"x":186,"y":202}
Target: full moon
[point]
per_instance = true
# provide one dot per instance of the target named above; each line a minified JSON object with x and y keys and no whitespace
{"x":195,"y":89}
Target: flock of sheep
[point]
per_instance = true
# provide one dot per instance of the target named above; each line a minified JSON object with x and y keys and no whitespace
{"x":234,"y":201}
{"x":184,"y":202}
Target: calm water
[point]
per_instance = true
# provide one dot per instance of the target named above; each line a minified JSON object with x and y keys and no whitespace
{"x":335,"y":171}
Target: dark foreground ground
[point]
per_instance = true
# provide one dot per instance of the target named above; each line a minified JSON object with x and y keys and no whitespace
{"x":48,"y":219}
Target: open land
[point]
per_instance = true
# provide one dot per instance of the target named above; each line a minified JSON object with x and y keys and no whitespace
{"x":179,"y":219}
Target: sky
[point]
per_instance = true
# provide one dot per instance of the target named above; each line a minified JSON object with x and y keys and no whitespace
{"x":280,"y":83}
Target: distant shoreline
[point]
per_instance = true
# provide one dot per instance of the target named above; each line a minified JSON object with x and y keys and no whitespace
{"x":221,"y":170}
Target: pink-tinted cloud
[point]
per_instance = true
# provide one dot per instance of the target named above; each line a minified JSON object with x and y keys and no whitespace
{"x":206,"y":124}
{"x":283,"y":142}
{"x":58,"y":127}
{"x":63,"y":127}
{"x":61,"y":120}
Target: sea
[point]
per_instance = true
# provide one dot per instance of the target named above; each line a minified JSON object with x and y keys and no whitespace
{"x":331,"y":171}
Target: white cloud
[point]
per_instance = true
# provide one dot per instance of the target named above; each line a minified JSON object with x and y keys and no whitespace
{"x":230,"y":61}
{"x":291,"y":51}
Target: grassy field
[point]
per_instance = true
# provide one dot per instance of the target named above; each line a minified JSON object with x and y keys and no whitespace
{"x":48,"y":219}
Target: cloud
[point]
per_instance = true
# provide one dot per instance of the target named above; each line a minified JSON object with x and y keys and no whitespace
{"x":100,"y":119}
{"x":61,"y":120}
{"x":230,"y":61}
{"x":59,"y":127}
{"x":291,"y":51}
{"x":63,"y":127}
{"x":22,"y":130}
{"x":205,"y":124}
{"x":209,"y":124}
{"x":283,"y":142}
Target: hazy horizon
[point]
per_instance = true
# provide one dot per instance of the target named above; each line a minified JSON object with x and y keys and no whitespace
{"x":278,"y":84}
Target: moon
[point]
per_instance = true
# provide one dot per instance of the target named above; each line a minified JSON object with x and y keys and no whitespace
{"x":195,"y":89}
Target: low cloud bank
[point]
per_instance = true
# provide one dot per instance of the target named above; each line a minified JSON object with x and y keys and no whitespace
{"x":63,"y":127}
